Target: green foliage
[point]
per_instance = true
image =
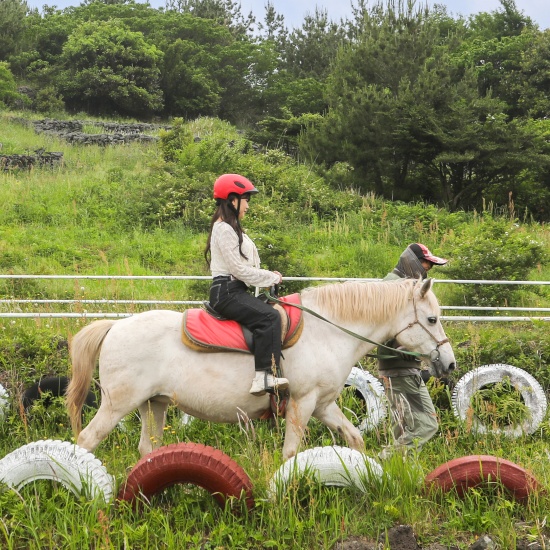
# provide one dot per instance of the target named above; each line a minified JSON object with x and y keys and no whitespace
{"x":48,"y":101}
{"x":495,"y":249}
{"x":12,"y":24}
{"x":110,"y":69}
{"x":174,"y":141}
{"x":30,"y":352}
{"x":282,"y":133}
{"x":499,"y":405}
{"x":289,"y":189}
{"x":418,"y":104}
{"x":8,"y":91}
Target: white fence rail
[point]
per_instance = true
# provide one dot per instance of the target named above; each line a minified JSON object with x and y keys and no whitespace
{"x":11,"y":308}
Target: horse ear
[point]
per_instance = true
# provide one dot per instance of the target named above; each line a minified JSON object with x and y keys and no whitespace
{"x":426,"y":287}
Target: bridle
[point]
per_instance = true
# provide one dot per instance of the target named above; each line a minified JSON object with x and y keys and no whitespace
{"x":434,"y":355}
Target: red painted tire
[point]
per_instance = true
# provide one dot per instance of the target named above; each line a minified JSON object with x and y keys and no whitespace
{"x":193,"y":463}
{"x":471,"y":471}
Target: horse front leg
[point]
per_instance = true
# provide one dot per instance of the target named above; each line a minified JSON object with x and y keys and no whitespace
{"x":101,"y":425}
{"x":297,"y":416}
{"x":336,"y":420}
{"x":153,"y":418}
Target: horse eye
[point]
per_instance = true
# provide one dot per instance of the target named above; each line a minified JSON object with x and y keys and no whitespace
{"x":432,"y":320}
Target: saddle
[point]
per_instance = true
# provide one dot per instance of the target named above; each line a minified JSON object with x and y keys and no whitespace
{"x":204,"y":330}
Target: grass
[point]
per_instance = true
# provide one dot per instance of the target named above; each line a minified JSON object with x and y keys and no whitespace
{"x":90,"y":216}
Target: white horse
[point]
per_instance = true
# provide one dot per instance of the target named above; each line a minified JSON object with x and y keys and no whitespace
{"x":143,"y":363}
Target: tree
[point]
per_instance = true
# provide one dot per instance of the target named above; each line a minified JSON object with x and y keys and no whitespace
{"x":508,"y":21}
{"x":310,"y":49}
{"x":497,"y":62}
{"x":12,"y":23}
{"x":8,"y":90}
{"x":109,"y":69}
{"x":225,"y":12}
{"x":534,"y":78}
{"x":364,"y":90}
{"x":189,"y":87}
{"x":413,"y":124}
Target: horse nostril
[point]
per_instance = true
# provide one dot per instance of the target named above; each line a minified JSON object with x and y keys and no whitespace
{"x":452,"y":366}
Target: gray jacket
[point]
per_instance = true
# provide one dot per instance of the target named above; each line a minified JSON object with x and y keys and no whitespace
{"x":408,"y":267}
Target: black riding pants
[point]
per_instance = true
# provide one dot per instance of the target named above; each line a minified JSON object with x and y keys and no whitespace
{"x":232,"y":300}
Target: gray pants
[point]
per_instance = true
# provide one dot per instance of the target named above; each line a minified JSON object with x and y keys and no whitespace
{"x":413,"y":416}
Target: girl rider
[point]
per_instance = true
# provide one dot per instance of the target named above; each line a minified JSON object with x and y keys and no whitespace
{"x":235,"y":265}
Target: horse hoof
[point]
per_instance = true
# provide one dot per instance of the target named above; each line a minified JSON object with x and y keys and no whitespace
{"x":192,"y":463}
{"x":371,"y":391}
{"x":486,"y":375}
{"x":334,"y":465}
{"x":74,"y":467}
{"x":475,"y":470}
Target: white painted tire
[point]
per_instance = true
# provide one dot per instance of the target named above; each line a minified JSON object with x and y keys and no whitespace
{"x":4,"y":401}
{"x":72,"y":466}
{"x":182,"y":419}
{"x":372,"y":392}
{"x":179,"y":420}
{"x":334,"y":465}
{"x":531,"y":391}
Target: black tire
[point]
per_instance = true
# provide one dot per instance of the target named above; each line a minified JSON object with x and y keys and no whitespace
{"x":531,"y":391}
{"x":333,"y":465}
{"x":74,"y":467}
{"x":475,"y":470}
{"x":47,"y":389}
{"x":192,"y":463}
{"x":372,"y":392}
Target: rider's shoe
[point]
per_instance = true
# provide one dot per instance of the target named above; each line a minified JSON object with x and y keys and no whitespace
{"x":264,"y":382}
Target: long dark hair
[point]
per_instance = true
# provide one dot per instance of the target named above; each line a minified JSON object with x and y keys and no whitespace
{"x":229,"y":214}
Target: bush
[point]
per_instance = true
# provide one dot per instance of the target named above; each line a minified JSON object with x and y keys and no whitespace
{"x":183,"y":189}
{"x":496,"y":249}
{"x":48,"y":101}
{"x":8,"y":89}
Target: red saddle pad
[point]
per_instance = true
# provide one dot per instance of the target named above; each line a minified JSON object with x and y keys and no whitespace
{"x":202,"y":331}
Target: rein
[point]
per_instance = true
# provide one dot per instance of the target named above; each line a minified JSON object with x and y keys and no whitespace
{"x":272,"y":298}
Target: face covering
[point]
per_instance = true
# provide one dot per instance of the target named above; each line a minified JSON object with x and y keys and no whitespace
{"x":409,"y":266}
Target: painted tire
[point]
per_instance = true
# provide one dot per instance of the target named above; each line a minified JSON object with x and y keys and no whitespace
{"x":372,"y":392}
{"x":179,"y":420}
{"x":474,"y":470}
{"x":53,"y":386}
{"x":531,"y":391}
{"x":334,"y":465}
{"x":74,"y":467}
{"x":4,"y":401}
{"x":182,"y":419}
{"x":193,"y":463}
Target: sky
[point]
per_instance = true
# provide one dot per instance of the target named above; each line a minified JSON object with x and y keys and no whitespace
{"x":294,"y":11}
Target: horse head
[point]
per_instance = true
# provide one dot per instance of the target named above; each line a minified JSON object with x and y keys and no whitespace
{"x":422,"y":331}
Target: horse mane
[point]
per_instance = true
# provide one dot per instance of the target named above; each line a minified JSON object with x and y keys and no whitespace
{"x":367,"y":301}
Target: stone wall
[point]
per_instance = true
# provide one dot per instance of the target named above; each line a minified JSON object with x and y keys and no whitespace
{"x":72,"y":131}
{"x":41,"y":159}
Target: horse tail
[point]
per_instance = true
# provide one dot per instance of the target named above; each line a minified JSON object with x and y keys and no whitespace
{"x":84,"y":350}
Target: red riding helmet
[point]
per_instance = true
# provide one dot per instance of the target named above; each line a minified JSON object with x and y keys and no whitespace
{"x":232,"y":183}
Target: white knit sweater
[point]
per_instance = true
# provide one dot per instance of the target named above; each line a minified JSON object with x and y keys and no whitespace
{"x":226,"y":259}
